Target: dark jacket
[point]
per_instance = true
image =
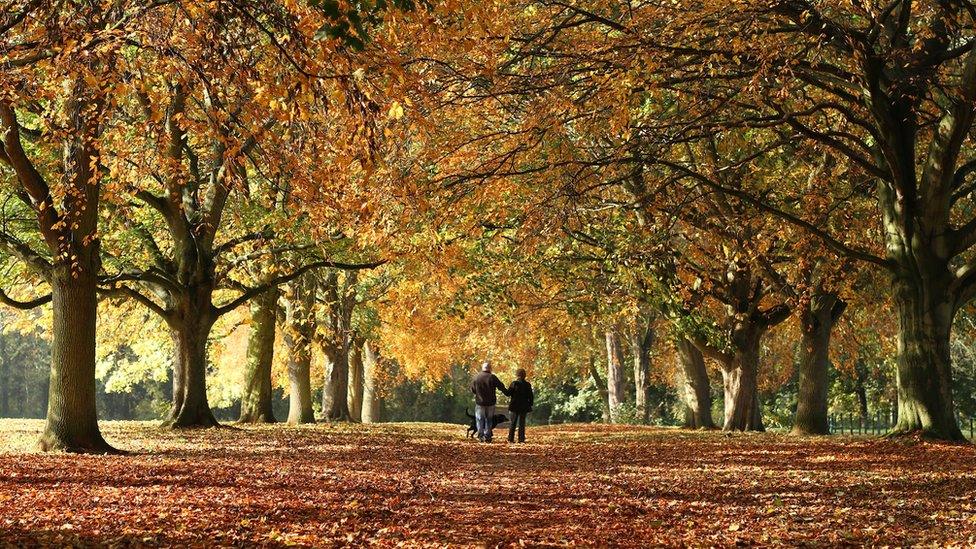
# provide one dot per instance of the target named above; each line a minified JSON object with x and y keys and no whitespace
{"x":520,"y":392}
{"x":483,"y":386}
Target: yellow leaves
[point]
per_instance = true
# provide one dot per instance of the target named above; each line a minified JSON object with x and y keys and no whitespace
{"x":396,"y":111}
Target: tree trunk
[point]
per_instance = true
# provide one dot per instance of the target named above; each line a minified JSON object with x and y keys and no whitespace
{"x":190,"y":332}
{"x":371,"y":398}
{"x":297,"y":335}
{"x":335,"y":404}
{"x":299,"y":381}
{"x":862,"y":401}
{"x":601,"y":388}
{"x":340,"y":304}
{"x":5,"y":376}
{"x":256,"y":400}
{"x":739,"y":375}
{"x":338,"y":386}
{"x":925,"y":315}
{"x":694,"y":390}
{"x":642,"y":340}
{"x":356,"y":381}
{"x":817,"y":319}
{"x":72,"y":421}
{"x":741,"y":398}
{"x":615,"y":374}
{"x":328,"y":390}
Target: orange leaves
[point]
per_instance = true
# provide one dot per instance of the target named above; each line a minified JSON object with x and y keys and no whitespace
{"x":422,"y":485}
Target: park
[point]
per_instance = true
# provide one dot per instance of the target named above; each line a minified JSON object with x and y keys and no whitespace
{"x":297,"y":272}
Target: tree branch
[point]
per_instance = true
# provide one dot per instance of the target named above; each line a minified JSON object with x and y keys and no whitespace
{"x":258,"y":290}
{"x":24,"y":305}
{"x":141,"y":298}
{"x":829,"y":240}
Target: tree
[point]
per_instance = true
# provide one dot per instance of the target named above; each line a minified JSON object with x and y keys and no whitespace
{"x":642,"y":338}
{"x":818,"y":316}
{"x":372,"y":401}
{"x":198,"y":130}
{"x":356,"y":379}
{"x":336,"y":339}
{"x":615,"y":373}
{"x":256,"y":400}
{"x":297,"y":333}
{"x":889,"y":88}
{"x":746,"y":323}
{"x":63,"y":76}
{"x":693,"y":387}
{"x":204,"y":147}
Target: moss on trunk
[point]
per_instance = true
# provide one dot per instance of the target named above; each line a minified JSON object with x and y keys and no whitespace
{"x":256,"y":399}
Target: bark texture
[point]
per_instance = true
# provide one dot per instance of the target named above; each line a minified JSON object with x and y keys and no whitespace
{"x":356,"y":373}
{"x":299,"y":328}
{"x":601,"y":387}
{"x":72,"y":420}
{"x":642,"y":342}
{"x":740,"y":380}
{"x":372,"y":403}
{"x":694,"y":389}
{"x":817,"y":318}
{"x":256,"y":400}
{"x":337,"y":326}
{"x":338,"y":387}
{"x":330,"y":354}
{"x":190,"y":405}
{"x":925,"y":316}
{"x":615,"y":374}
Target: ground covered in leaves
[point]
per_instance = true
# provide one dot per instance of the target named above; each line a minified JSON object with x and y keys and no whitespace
{"x":421,"y":484}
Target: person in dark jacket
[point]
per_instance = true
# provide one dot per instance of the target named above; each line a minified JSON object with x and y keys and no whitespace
{"x":520,"y":403}
{"x":483,"y":386}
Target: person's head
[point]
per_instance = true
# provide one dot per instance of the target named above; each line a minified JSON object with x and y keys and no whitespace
{"x":520,"y":373}
{"x":486,"y":366}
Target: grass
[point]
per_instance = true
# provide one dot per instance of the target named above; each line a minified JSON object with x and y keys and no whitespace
{"x":427,"y":485}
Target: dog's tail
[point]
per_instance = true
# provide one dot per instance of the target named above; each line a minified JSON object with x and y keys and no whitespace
{"x":467,"y":414}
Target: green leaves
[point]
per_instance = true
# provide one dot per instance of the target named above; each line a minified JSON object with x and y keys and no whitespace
{"x":352,"y":25}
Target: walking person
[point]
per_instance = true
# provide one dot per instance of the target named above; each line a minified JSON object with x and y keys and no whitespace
{"x":483,"y":386}
{"x":520,"y":403}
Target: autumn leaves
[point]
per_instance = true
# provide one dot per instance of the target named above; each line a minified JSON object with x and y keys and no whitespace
{"x":544,"y":172}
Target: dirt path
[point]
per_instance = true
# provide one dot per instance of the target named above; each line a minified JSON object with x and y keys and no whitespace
{"x":427,"y":485}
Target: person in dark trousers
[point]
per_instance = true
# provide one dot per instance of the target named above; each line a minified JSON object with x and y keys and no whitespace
{"x":520,"y":403}
{"x":483,"y":386}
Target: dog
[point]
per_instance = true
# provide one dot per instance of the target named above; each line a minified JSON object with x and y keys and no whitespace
{"x":496,"y":420}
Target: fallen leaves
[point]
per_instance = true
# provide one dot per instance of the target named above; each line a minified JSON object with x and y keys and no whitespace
{"x":421,"y":485}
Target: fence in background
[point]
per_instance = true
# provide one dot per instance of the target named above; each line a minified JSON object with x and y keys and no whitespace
{"x":880,"y":423}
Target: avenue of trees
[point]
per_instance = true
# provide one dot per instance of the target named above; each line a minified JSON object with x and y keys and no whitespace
{"x":242,"y":201}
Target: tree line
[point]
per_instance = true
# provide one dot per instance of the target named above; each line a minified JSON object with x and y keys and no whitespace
{"x":545,"y":181}
{"x":728,"y":167}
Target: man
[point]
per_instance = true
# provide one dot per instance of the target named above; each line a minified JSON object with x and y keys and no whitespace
{"x":483,"y":386}
{"x":522,"y":397}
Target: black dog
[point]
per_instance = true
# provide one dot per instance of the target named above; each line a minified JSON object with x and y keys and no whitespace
{"x":473,"y":427}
